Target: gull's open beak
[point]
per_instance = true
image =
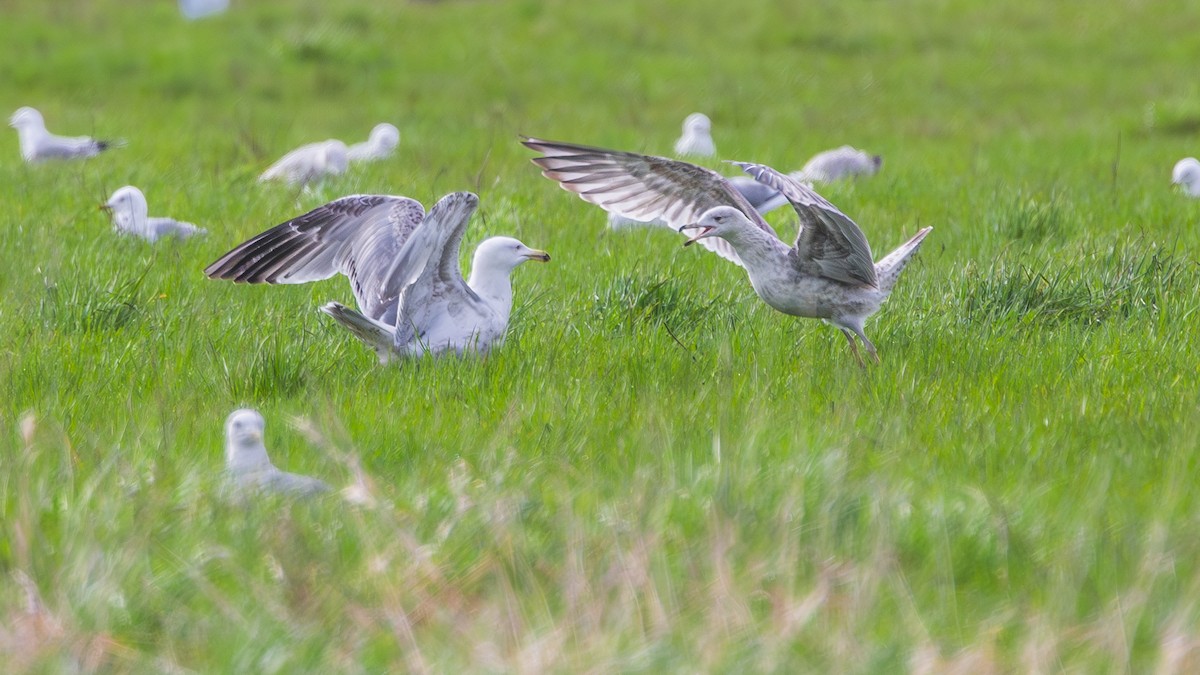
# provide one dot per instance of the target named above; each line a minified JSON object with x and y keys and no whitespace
{"x":540,"y":256}
{"x":705,"y":230}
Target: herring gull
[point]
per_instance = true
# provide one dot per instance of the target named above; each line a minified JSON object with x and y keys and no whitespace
{"x":697,"y":139}
{"x":309,"y":163}
{"x":403,"y":268}
{"x":380,"y":144}
{"x":38,"y":144}
{"x":247,"y":467}
{"x":828,"y":274}
{"x":824,"y":167}
{"x":839,"y":163}
{"x":1187,"y":175}
{"x":129,"y":212}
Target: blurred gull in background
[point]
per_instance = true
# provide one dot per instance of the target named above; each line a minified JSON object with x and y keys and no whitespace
{"x":198,"y":9}
{"x":1187,"y":175}
{"x":246,"y":463}
{"x":839,"y":163}
{"x":696,"y":140}
{"x":38,"y":144}
{"x":309,"y":163}
{"x":379,"y":145}
{"x":129,"y":212}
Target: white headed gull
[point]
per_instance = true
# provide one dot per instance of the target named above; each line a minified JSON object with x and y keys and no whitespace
{"x":697,"y":139}
{"x":38,"y":144}
{"x":1186,"y":174}
{"x":129,"y":212}
{"x":247,"y":466}
{"x":403,"y":269}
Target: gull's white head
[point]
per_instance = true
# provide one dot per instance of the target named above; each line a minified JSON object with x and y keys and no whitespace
{"x":504,"y":254}
{"x":126,"y":203}
{"x":244,"y":448}
{"x":27,"y":118}
{"x":720,"y":221}
{"x":384,"y":136}
{"x":697,"y":123}
{"x":1187,"y":175}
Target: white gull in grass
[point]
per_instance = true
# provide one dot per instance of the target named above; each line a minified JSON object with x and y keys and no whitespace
{"x":309,"y":163}
{"x":380,"y":144}
{"x":828,"y":274}
{"x":696,"y":140}
{"x":403,"y":269}
{"x":247,"y":466}
{"x":37,"y":144}
{"x":824,"y":167}
{"x":130,"y":215}
{"x":837,"y":164}
{"x":1186,"y":175}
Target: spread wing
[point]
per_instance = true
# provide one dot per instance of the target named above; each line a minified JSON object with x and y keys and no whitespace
{"x":829,"y":243}
{"x":433,"y":287}
{"x":643,"y":187}
{"x":360,"y":236}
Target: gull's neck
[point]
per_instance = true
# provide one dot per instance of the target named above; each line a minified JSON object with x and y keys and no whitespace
{"x":492,"y":283}
{"x":29,"y":138}
{"x":759,"y":250}
{"x":135,"y":219}
{"x":765,"y":260}
{"x":246,"y":459}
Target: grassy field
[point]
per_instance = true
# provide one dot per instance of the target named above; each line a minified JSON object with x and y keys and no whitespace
{"x":657,"y":472}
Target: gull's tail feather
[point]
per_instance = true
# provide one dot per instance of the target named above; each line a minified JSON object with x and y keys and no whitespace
{"x":888,"y":270}
{"x":375,"y":334}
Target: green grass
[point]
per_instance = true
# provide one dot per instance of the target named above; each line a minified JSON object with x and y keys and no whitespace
{"x":656,"y":472}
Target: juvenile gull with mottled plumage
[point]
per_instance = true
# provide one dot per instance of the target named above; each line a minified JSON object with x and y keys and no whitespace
{"x":403,"y":268}
{"x":828,"y":274}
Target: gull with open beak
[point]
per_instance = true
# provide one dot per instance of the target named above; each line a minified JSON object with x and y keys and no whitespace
{"x":403,"y":267}
{"x":827,"y":274}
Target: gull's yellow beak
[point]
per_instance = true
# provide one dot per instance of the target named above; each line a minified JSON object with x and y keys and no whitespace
{"x":540,"y":256}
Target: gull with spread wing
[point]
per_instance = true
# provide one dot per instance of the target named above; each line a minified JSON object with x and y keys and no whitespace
{"x":828,"y":274}
{"x":403,"y":269}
